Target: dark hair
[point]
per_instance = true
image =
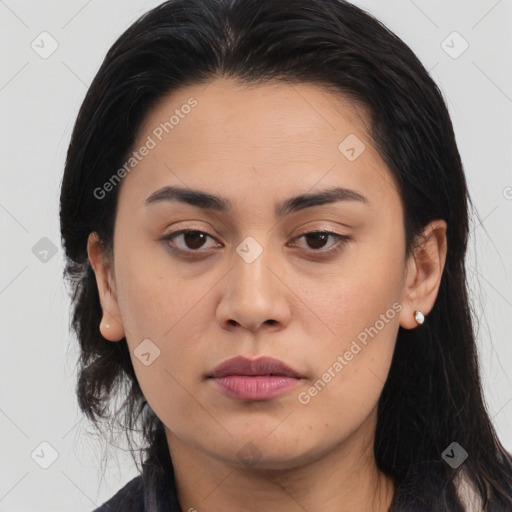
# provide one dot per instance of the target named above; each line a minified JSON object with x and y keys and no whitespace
{"x":433,"y":394}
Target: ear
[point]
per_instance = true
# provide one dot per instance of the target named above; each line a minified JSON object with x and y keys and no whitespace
{"x":106,"y":290}
{"x":424,"y":271}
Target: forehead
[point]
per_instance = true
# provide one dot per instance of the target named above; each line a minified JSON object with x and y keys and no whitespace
{"x":265,"y":116}
{"x":256,"y":138}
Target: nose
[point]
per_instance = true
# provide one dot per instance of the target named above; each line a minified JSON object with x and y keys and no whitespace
{"x":255,"y":294}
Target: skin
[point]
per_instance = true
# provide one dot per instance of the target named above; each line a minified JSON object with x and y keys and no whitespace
{"x":257,"y":146}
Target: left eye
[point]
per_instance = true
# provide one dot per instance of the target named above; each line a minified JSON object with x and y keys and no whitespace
{"x":194,"y":240}
{"x":319,"y":238}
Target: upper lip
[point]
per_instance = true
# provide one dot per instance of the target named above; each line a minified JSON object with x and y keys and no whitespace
{"x":262,"y":366}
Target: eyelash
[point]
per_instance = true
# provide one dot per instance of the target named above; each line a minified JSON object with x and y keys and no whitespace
{"x":341,"y":241}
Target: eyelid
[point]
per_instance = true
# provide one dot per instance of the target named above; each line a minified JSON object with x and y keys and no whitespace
{"x":341,"y":240}
{"x":179,"y":232}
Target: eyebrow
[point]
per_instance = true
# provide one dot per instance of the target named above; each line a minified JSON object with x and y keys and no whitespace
{"x":204,"y":200}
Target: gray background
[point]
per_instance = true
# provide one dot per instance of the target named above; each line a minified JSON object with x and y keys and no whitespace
{"x":39,"y":100}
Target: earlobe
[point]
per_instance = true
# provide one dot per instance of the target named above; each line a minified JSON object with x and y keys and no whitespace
{"x":424,"y":272}
{"x":111,"y":326}
{"x":112,"y":331}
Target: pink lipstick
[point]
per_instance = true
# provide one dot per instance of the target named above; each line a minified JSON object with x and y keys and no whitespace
{"x":254,"y":379}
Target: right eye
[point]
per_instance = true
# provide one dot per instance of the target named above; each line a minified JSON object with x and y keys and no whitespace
{"x":192,"y":239}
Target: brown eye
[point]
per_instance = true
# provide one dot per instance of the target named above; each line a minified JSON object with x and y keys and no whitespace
{"x":316,"y":240}
{"x":192,"y":240}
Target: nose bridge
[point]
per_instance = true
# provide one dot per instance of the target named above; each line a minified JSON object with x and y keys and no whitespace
{"x":251,"y":266}
{"x":252,"y":297}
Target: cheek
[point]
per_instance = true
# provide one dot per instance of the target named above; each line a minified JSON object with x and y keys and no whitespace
{"x":172,"y":314}
{"x":361,"y":309}
{"x":358,"y":299}
{"x":171,"y":398}
{"x":153,"y":296}
{"x":153,"y":310}
{"x":349,"y":381}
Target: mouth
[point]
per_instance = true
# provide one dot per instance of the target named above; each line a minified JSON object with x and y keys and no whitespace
{"x":261,"y":367}
{"x":254,"y":379}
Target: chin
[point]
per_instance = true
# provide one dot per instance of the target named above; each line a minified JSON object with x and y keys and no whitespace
{"x":265,"y":454}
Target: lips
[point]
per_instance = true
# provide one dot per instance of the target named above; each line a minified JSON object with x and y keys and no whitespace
{"x":264,"y":366}
{"x":260,"y":379}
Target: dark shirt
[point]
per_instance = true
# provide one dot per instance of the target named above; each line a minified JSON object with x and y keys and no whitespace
{"x":152,"y":491}
{"x":137,"y":497}
{"x":129,"y":498}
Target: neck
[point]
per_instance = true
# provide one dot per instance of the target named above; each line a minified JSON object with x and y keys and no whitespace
{"x":344,"y":478}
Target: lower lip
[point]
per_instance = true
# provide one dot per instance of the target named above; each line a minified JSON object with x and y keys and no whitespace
{"x":243,"y":387}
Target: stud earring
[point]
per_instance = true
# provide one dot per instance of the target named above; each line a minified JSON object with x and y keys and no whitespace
{"x":418,"y":316}
{"x":107,"y":325}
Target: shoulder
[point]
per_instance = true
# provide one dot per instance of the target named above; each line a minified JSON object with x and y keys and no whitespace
{"x":129,"y":498}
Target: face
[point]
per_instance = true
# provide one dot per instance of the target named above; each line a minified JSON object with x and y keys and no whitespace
{"x":318,"y":284}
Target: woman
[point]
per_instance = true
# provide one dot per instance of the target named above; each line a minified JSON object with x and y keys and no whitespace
{"x":265,"y":218}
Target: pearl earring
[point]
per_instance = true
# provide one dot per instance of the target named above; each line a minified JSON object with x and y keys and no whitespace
{"x":418,"y":315}
{"x":107,"y":325}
